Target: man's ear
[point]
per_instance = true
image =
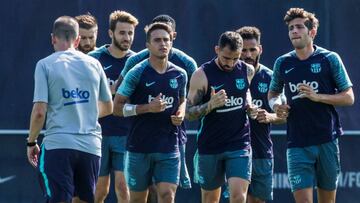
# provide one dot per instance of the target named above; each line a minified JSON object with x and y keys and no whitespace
{"x":313,"y":32}
{"x":53,"y":39}
{"x":77,"y":41}
{"x":174,"y":34}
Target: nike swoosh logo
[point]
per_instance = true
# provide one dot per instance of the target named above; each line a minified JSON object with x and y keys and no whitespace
{"x":149,"y":84}
{"x":217,"y":87}
{"x":287,"y":71}
{"x":6,"y":179}
{"x":107,"y":67}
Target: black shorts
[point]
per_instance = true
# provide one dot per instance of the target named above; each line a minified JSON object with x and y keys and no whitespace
{"x":66,"y":173}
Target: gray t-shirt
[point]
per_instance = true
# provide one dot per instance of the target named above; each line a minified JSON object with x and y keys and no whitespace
{"x":71,"y":83}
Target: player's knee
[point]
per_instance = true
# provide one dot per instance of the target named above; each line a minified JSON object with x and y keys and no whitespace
{"x":122,"y":190}
{"x":101,"y":194}
{"x":166,"y":195}
{"x":238,"y":197}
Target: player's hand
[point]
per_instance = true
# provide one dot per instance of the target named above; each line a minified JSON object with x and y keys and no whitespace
{"x":157,"y":104}
{"x":33,"y":155}
{"x":178,"y":118}
{"x":305,"y":91}
{"x":263,"y":116}
{"x":217,"y":99}
{"x":282,"y":111}
{"x":252,"y":111}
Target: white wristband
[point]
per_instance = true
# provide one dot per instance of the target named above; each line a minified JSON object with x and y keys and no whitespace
{"x":129,"y":110}
{"x":273,"y":101}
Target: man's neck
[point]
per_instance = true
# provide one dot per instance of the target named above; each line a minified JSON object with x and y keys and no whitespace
{"x":116,"y":52}
{"x":160,"y":65}
{"x":305,"y":52}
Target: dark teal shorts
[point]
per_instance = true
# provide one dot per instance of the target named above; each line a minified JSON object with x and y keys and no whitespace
{"x":262,"y":184}
{"x":112,"y":154}
{"x":142,"y":169}
{"x":213,"y":169}
{"x":314,"y":166}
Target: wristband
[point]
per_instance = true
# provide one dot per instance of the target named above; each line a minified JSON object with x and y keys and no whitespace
{"x":273,"y":101}
{"x":30,"y":144}
{"x":129,"y":110}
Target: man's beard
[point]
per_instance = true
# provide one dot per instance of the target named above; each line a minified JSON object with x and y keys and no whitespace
{"x":253,"y":62}
{"x":119,"y":46}
{"x":86,"y":49}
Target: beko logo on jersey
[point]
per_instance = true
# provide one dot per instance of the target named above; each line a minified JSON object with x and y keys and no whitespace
{"x":257,"y":102}
{"x":80,"y":96}
{"x":169,"y":100}
{"x":233,"y":102}
{"x":294,"y":88}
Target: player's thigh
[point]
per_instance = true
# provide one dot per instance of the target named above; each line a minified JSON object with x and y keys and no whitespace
{"x":138,"y":171}
{"x":211,"y":171}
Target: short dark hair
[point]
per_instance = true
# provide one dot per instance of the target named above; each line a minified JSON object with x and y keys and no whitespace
{"x":123,"y":17}
{"x":86,"y":21}
{"x":250,"y":32}
{"x":311,"y":21}
{"x":163,"y":18}
{"x":157,"y":26}
{"x":66,"y":28}
{"x":231,"y":39}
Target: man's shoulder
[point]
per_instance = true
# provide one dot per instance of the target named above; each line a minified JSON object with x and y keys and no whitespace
{"x":265,"y":69}
{"x":180,"y":55}
{"x":176,"y":68}
{"x":97,"y":53}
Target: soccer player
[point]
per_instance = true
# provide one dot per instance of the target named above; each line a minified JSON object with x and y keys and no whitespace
{"x":71,"y":92}
{"x":88,"y":30}
{"x":315,"y":81}
{"x":153,"y":92}
{"x":219,"y":96}
{"x":182,"y":60}
{"x":114,"y":129}
{"x":261,"y":186}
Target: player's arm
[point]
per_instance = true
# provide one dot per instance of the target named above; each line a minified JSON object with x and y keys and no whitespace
{"x":105,"y":108}
{"x":124,"y":108}
{"x":197,"y":90}
{"x":345,"y":96}
{"x":179,"y":116}
{"x":275,"y":94}
{"x":37,"y":120}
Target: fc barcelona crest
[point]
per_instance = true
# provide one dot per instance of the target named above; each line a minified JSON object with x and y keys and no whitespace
{"x":173,"y":83}
{"x":262,"y":87}
{"x":240,"y":83}
{"x":315,"y":68}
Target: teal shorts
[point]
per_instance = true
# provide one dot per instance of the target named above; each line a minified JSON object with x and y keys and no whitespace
{"x":144,"y":169}
{"x":213,"y":169}
{"x":262,"y":179}
{"x":314,"y":165}
{"x":112,"y":154}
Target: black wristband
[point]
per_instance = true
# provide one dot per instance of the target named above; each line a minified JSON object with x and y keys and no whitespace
{"x":31,"y":144}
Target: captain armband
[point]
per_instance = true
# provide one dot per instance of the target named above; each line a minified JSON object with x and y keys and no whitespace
{"x":129,"y":110}
{"x":273,"y":101}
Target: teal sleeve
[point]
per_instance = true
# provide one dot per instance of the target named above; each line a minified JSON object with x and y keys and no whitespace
{"x":133,"y":60}
{"x":277,"y":84}
{"x":130,"y":81}
{"x":338,"y":72}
